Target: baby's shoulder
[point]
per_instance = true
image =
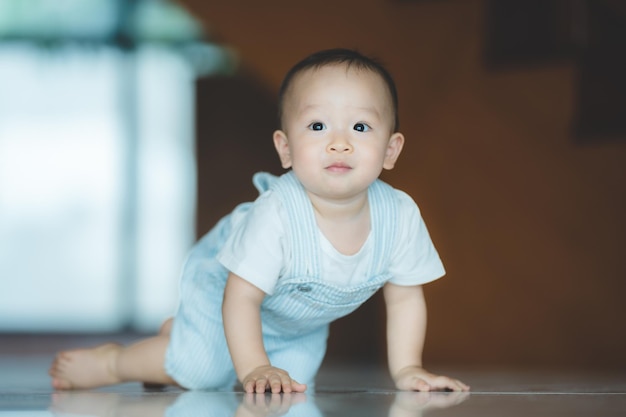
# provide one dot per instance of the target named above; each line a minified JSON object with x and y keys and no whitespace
{"x":405,"y":203}
{"x":265,"y":209}
{"x":268,"y":204}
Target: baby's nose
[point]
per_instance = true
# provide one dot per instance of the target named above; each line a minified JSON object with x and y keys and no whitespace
{"x":339,"y":144}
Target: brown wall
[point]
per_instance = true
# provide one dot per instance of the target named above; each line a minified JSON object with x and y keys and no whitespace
{"x":529,"y":223}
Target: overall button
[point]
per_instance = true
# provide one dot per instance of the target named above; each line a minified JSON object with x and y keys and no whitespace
{"x":304,"y":288}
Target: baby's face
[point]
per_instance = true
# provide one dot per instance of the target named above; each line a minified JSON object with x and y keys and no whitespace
{"x":338,"y":130}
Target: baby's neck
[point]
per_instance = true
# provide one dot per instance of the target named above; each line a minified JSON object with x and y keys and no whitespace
{"x":340,"y":209}
{"x":346,"y":223}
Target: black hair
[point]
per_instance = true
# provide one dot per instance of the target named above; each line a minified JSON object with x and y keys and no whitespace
{"x":339,"y":56}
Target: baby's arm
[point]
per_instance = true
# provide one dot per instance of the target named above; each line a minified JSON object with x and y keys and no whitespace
{"x":406,"y":331}
{"x":241,"y":312}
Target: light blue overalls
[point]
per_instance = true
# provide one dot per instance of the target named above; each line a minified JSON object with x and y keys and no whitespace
{"x":296,"y":317}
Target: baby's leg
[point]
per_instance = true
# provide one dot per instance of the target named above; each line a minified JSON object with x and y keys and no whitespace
{"x":112,"y":363}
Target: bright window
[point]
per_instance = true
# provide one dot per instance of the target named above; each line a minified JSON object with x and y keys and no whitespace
{"x":97,"y":177}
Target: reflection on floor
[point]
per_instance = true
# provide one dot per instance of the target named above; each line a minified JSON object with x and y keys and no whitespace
{"x":341,"y":391}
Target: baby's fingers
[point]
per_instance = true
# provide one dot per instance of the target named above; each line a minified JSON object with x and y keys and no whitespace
{"x":274,"y":382}
{"x":283,"y":383}
{"x":415,"y":383}
{"x":280,"y":382}
{"x":440,"y":383}
{"x":297,"y":387}
{"x":249,"y":385}
{"x":425,"y":381}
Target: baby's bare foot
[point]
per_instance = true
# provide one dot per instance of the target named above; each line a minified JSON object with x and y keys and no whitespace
{"x":85,"y":368}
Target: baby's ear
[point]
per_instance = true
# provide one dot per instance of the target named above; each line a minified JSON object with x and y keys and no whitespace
{"x":394,"y":147}
{"x":282,"y":148}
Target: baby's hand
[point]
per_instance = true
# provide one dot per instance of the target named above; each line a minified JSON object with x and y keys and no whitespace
{"x":415,"y":378}
{"x":271,"y":379}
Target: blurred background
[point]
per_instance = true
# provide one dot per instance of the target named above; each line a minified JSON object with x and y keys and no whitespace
{"x":129,"y":127}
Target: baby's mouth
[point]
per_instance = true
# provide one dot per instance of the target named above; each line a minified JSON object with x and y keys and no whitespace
{"x":338,"y":167}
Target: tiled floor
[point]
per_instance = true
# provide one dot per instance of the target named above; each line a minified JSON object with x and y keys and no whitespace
{"x":341,"y":391}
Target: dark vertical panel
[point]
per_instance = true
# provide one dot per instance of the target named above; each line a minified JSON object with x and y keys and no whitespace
{"x":588,"y":34}
{"x":601,"y":97}
{"x":235,"y":119}
{"x":530,"y":32}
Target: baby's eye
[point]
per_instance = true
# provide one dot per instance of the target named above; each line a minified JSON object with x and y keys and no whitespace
{"x":317,"y":126}
{"x":361,"y":127}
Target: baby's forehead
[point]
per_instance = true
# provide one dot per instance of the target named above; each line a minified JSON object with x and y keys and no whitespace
{"x":300,"y":81}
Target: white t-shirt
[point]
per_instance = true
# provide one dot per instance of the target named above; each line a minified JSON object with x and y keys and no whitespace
{"x":257,"y":249}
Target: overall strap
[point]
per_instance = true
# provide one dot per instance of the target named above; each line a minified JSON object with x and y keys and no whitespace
{"x":302,"y":227}
{"x":384,"y":214}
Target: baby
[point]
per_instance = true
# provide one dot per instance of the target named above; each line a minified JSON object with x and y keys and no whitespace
{"x":259,"y":291}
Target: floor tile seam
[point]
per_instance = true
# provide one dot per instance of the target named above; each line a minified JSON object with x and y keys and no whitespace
{"x":353,"y":390}
{"x":545,"y":393}
{"x":374,"y":392}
